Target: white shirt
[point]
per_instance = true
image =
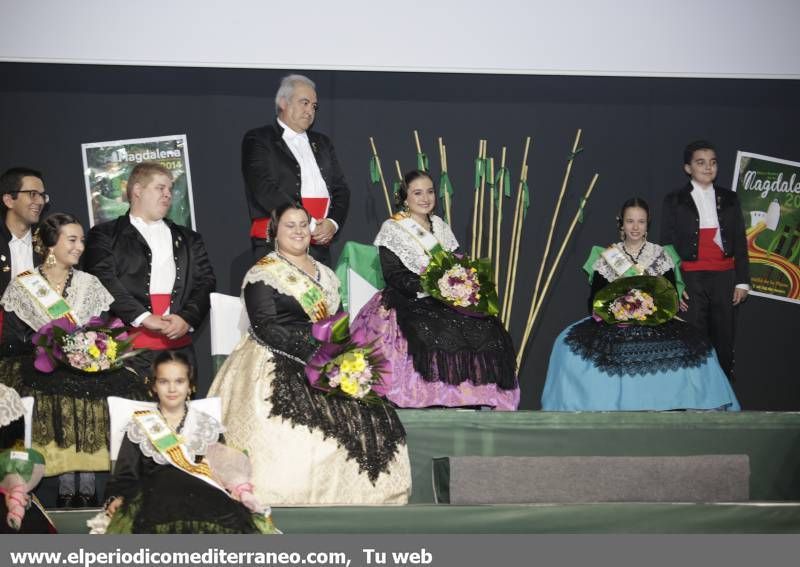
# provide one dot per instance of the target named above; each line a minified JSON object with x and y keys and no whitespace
{"x":705,"y":198}
{"x":162,"y":267}
{"x":312,"y":183}
{"x":21,"y":253}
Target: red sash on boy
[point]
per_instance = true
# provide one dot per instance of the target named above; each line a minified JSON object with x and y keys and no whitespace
{"x":710,"y":257}
{"x":145,"y":338}
{"x":317,"y":207}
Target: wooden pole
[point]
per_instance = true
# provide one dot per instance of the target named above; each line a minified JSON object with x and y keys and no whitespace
{"x":520,"y":221}
{"x":535,"y":309}
{"x":472,"y":248}
{"x":480,"y":205}
{"x":492,"y":188}
{"x":499,"y":220}
{"x":443,"y":160}
{"x":555,"y":216}
{"x":380,"y":172}
{"x":513,"y":244}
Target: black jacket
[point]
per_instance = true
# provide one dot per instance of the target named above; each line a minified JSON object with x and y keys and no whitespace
{"x":272,"y":174}
{"x":680,"y":226}
{"x":5,"y":255}
{"x":120,"y":258}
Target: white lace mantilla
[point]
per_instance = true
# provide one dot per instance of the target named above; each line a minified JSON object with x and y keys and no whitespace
{"x":653,"y":259}
{"x":327,"y":280}
{"x":411,"y":253}
{"x":85,"y":295}
{"x":11,"y":408}
{"x":199,"y":431}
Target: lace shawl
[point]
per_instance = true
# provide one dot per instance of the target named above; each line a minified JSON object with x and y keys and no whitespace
{"x":653,"y":259}
{"x":411,"y":254}
{"x":85,"y":295}
{"x":11,"y":408}
{"x":199,"y":431}
{"x":327,"y":280}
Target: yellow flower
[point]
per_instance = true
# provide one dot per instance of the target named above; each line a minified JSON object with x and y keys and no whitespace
{"x":93,"y":351}
{"x":91,"y":368}
{"x":348,"y":385}
{"x":111,"y":349}
{"x":353,"y":362}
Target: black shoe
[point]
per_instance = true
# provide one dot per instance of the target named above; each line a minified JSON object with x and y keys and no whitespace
{"x":84,"y":501}
{"x":65,"y":501}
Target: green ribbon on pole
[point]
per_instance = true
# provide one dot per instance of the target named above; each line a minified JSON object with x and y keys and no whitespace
{"x":480,"y":171}
{"x":506,"y":186}
{"x":580,"y":210}
{"x":571,"y":156}
{"x":526,"y":199}
{"x":445,"y":187}
{"x":374,"y":174}
{"x":396,"y":188}
{"x":422,"y":162}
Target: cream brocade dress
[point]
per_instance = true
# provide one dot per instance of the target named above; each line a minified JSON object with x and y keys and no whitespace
{"x":306,"y":448}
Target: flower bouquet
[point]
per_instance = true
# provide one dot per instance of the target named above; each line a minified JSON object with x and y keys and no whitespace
{"x":20,"y":471}
{"x":461,"y":283}
{"x":346,"y":364}
{"x":97,"y":346}
{"x":637,"y":300}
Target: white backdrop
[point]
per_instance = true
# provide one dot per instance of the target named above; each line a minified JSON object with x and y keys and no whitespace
{"x":692,"y":38}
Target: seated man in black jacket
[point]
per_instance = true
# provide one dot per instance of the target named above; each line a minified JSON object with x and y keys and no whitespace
{"x":284,"y":162}
{"x":158,"y":272}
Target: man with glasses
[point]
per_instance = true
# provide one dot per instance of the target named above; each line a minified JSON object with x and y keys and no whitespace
{"x":284,"y":162}
{"x":24,"y":200}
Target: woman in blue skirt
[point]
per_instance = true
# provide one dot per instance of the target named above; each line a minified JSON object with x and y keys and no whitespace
{"x":628,"y":366}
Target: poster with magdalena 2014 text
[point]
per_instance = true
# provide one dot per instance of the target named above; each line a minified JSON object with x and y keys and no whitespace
{"x":107,"y":166}
{"x":769,"y":192}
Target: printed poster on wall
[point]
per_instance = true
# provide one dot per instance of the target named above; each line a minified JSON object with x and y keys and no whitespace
{"x":107,"y":165}
{"x":769,"y":192}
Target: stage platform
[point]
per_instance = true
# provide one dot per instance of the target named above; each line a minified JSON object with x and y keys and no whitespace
{"x":771,"y":440}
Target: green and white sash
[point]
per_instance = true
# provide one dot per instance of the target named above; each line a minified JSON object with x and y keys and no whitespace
{"x":45,"y":296}
{"x":309,"y":293}
{"x":427,"y":241}
{"x":169,"y":445}
{"x":620,"y":263}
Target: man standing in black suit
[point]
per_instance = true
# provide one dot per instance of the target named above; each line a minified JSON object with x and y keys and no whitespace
{"x":24,"y":199}
{"x":158,"y":272}
{"x":705,"y":225}
{"x":284,"y":162}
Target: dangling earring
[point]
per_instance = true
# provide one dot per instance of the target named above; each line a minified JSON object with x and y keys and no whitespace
{"x":405,"y":207}
{"x":645,"y":236}
{"x":51,"y":259}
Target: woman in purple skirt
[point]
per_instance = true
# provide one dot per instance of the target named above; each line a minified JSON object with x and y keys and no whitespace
{"x":440,"y":357}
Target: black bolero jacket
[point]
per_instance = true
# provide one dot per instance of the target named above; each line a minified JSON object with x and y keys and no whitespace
{"x":272,"y":174}
{"x":680,"y":226}
{"x":120,"y":258}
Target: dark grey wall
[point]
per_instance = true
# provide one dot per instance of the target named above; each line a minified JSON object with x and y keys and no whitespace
{"x":634,"y":130}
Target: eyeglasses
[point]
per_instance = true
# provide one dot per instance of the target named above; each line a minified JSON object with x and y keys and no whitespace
{"x":33,"y":195}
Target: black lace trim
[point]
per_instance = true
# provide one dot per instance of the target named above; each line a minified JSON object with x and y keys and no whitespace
{"x":450,"y":347}
{"x":71,"y":407}
{"x":370,"y":434}
{"x":638,"y":350}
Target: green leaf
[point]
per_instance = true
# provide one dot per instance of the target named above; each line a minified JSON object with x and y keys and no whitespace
{"x":480,"y":171}
{"x":526,"y":199}
{"x":422,"y":162}
{"x":374,"y":174}
{"x":580,"y":210}
{"x":445,"y":186}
